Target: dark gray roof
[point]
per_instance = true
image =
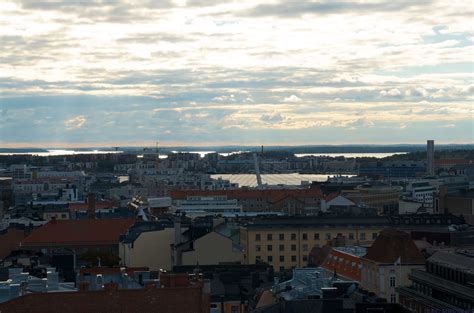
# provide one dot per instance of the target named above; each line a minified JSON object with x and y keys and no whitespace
{"x":134,"y":232}
{"x":455,"y":260}
{"x":296,"y":221}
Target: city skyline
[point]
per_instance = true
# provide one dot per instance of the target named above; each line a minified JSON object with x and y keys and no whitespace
{"x":103,"y":73}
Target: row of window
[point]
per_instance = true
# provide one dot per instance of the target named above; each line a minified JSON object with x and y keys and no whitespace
{"x":304,"y":247}
{"x":316,"y":236}
{"x":281,"y":258}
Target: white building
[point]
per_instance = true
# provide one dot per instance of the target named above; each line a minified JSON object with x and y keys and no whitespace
{"x":210,"y":205}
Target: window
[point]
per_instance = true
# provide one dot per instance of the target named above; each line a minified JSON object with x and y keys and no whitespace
{"x":293,"y":236}
{"x":282,"y":248}
{"x":305,"y":258}
{"x":305,"y":248}
{"x":316,"y":236}
{"x":351,"y":236}
{"x":269,"y":237}
{"x":282,"y":258}
{"x":392,"y":280}
{"x":257,"y":237}
{"x":328,"y":236}
{"x":293,"y":247}
{"x":258,"y":248}
{"x":374,"y":236}
{"x":393,"y":298}
{"x":281,"y":236}
{"x":362,"y":236}
{"x":305,"y":236}
{"x":269,"y":258}
{"x":293,"y":258}
{"x":258,"y":258}
{"x":234,"y":309}
{"x":269,"y":248}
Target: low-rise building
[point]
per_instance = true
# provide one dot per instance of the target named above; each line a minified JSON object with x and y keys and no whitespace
{"x":205,"y":205}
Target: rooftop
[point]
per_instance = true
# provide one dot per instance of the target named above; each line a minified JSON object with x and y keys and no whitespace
{"x":78,"y":232}
{"x":460,"y":261}
{"x":392,"y":244}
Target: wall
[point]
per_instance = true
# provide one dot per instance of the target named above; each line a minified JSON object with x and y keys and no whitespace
{"x":376,"y":277}
{"x":150,"y":249}
{"x":212,"y":248}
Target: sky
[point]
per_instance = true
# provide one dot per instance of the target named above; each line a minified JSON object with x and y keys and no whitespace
{"x":208,"y":72}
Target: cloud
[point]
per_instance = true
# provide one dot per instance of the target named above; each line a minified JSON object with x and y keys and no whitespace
{"x":391,"y":93}
{"x":292,"y":99}
{"x":271,"y":118}
{"x":75,"y":122}
{"x":225,"y":71}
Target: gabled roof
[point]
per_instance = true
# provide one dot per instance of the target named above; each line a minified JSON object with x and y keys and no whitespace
{"x":141,"y":227}
{"x":392,"y":244}
{"x":78,"y":232}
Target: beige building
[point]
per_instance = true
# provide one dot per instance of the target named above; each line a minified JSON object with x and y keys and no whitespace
{"x":212,"y":248}
{"x":147,"y":245}
{"x":388,"y":262}
{"x":286,"y":242}
{"x":383,"y":198}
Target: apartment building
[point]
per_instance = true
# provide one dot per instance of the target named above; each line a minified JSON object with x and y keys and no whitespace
{"x":286,"y":242}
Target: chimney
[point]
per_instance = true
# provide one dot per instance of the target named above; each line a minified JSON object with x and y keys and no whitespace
{"x":430,"y":157}
{"x":91,"y":205}
{"x":112,"y":286}
{"x":84,"y":286}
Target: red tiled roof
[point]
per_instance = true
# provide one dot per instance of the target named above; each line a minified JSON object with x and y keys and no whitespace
{"x":10,"y":240}
{"x":345,"y":264}
{"x":78,"y":232}
{"x":83,"y":206}
{"x":392,"y":244}
{"x":273,"y":195}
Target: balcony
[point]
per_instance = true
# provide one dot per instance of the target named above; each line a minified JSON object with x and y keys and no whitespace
{"x":424,"y":299}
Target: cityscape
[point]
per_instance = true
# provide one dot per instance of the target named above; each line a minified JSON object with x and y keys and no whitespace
{"x":201,"y":156}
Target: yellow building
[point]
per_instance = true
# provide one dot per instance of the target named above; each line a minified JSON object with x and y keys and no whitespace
{"x":147,"y":245}
{"x":286,"y":242}
{"x":212,"y":248}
